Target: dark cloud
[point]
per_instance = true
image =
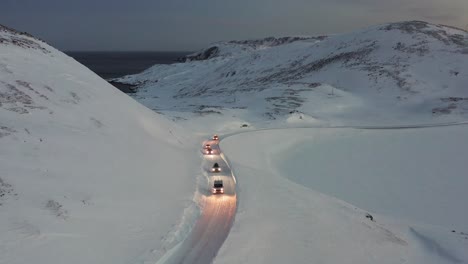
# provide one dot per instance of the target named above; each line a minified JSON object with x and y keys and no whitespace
{"x":189,"y":24}
{"x":437,"y":14}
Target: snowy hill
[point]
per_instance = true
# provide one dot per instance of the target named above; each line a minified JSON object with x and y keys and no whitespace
{"x":400,"y":73}
{"x":86,"y":172}
{"x":234,"y":47}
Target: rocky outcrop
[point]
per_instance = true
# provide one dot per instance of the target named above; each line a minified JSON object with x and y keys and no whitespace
{"x":205,"y":54}
{"x":21,"y":39}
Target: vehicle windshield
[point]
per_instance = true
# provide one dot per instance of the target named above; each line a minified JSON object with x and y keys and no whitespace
{"x":218,"y":185}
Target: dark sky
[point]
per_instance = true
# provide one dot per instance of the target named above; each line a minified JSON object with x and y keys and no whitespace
{"x":163,"y":25}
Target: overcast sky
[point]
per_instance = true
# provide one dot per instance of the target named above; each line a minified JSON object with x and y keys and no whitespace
{"x":152,"y":25}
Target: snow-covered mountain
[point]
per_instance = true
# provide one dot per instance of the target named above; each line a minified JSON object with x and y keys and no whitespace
{"x":401,"y":73}
{"x":83,"y":168}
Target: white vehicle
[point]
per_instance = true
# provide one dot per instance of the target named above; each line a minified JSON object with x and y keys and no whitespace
{"x":216,"y":168}
{"x":218,"y":187}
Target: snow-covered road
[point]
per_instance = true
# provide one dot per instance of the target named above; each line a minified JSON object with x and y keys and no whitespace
{"x":218,"y":211}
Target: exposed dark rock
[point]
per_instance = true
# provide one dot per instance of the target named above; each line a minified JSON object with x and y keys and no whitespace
{"x":436,"y":31}
{"x":272,"y":41}
{"x":6,"y":189}
{"x":214,"y":51}
{"x":5,"y":131}
{"x":421,"y":48}
{"x":454,"y":99}
{"x":207,"y":112}
{"x":298,"y":72}
{"x":14,"y":31}
{"x":444,"y":110}
{"x":124,"y":87}
{"x":21,"y":39}
{"x":57,"y":209}
{"x":205,"y":54}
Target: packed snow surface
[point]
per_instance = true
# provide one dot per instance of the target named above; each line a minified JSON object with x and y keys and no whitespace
{"x":214,"y":224}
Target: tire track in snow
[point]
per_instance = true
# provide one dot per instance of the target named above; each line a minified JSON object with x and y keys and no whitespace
{"x":390,"y":127}
{"x":218,"y":211}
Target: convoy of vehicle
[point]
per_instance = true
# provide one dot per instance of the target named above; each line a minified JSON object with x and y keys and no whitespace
{"x":218,"y":187}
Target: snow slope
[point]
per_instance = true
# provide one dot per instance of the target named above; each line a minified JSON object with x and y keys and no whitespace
{"x":88,"y":175}
{"x":394,"y":73}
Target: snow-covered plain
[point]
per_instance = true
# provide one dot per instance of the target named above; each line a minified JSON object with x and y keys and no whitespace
{"x":415,"y":174}
{"x":88,"y":175}
{"x":287,"y":177}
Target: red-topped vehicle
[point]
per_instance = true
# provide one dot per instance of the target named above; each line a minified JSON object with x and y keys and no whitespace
{"x":209,"y":151}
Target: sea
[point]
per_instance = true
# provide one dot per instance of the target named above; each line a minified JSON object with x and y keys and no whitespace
{"x":111,"y":65}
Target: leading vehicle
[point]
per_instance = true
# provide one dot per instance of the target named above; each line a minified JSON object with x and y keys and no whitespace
{"x":218,"y":187}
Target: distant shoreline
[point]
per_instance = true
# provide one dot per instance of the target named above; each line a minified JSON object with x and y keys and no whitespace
{"x":114,"y":64}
